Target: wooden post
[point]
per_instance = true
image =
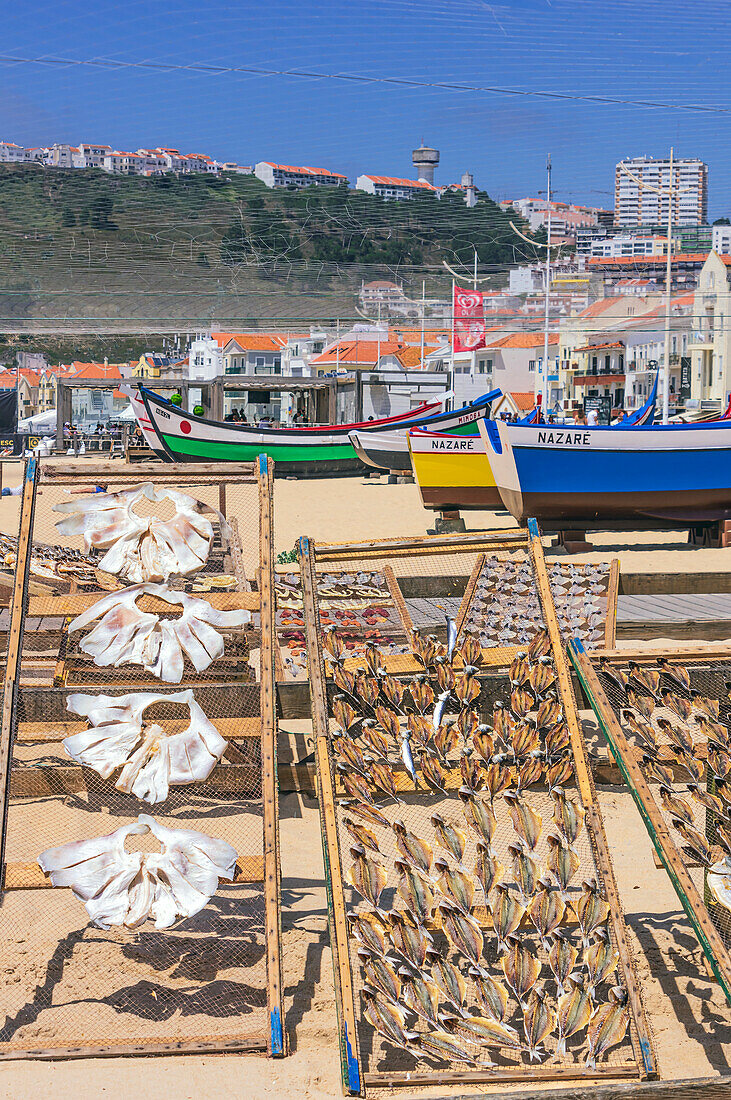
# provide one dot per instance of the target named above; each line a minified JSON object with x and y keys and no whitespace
{"x":711,"y":942}
{"x":15,"y":645}
{"x":222,"y":496}
{"x":277,"y":1041}
{"x":344,"y":1001}
{"x":332,"y":403}
{"x":610,"y":625}
{"x":585,"y":783}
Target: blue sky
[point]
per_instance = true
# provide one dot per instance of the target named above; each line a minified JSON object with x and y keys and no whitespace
{"x":668,"y":52}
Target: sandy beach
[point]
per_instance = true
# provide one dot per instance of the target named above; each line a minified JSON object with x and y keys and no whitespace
{"x":687,"y":1012}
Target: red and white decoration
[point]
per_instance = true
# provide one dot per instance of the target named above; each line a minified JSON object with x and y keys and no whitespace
{"x":469,"y":320}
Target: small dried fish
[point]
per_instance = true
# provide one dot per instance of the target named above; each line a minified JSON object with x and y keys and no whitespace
{"x":445,"y":740}
{"x":556,"y":739}
{"x":561,"y":959}
{"x":415,"y":890}
{"x":333,"y":643}
{"x":641,"y":729}
{"x":559,"y":773}
{"x":388,"y":1020}
{"x":497,"y":779}
{"x":675,"y":805}
{"x":420,"y":729}
{"x":659,"y":771}
{"x":479,"y":815}
{"x":524,"y":739}
{"x":600,"y":960}
{"x":388,"y":721}
{"x":525,"y":871}
{"x":607,"y":1026}
{"x":368,"y":813}
{"x":539,"y":1020}
{"x":449,"y":836}
{"x":617,"y":675}
{"x":488,"y":869}
{"x":563,"y":863}
{"x":502,"y":722}
{"x":507,"y":913}
{"x":540,"y":645}
{"x":343,"y":713}
{"x":704,"y":798}
{"x":679,"y":738}
{"x":678,"y":674}
{"x":420,"y":994}
{"x":421,"y":693}
{"x":492,"y":996}
{"x":349,"y":753}
{"x":344,"y":680}
{"x":368,"y":929}
{"x":549,"y":712}
{"x":677,"y":704}
{"x":455,"y":885}
{"x":382,"y":777}
{"x":472,"y":772}
{"x":361,"y":834}
{"x":568,"y":816}
{"x":529,"y":773}
{"x":467,"y":686}
{"x":467,"y":723}
{"x":643,"y":704}
{"x":380,"y":974}
{"x":696,"y":843}
{"x":367,"y":876}
{"x":441,"y":703}
{"x":462,"y":931}
{"x":519,"y":669}
{"x":574,"y":1010}
{"x":407,"y":758}
{"x":356,"y":785}
{"x":449,"y":979}
{"x":414,"y":850}
{"x":521,"y":970}
{"x":646,"y":679}
{"x":521,"y":702}
{"x":393,"y":689}
{"x":591,"y":909}
{"x":541,"y":677}
{"x":546,"y":910}
{"x":408,"y":937}
{"x":442,"y":1046}
{"x":489,"y":1031}
{"x":526,"y":822}
{"x":718,"y":881}
{"x":710,"y":707}
{"x":432,"y":772}
{"x":367,"y":688}
{"x":483,"y":741}
{"x":374,"y":738}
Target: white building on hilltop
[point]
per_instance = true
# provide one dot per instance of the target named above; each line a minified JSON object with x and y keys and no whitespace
{"x":391,"y":187}
{"x":636,"y":204}
{"x":288,"y":175}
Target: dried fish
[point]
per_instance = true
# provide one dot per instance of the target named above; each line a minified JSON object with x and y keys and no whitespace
{"x":618,"y":675}
{"x":679,"y":738}
{"x":529,"y":773}
{"x":420,"y":994}
{"x":558,"y":773}
{"x":525,"y":871}
{"x":449,"y":980}
{"x":704,"y":798}
{"x":488,"y":869}
{"x":445,"y":674}
{"x":646,"y":679}
{"x":539,"y":1020}
{"x":374,"y":738}
{"x":479,"y":815}
{"x":540,"y":645}
{"x":408,"y":937}
{"x":381,"y":775}
{"x":439,"y":709}
{"x":521,"y":970}
{"x":462,"y":931}
{"x":675,"y":805}
{"x":421,"y":693}
{"x":710,"y":707}
{"x":415,"y":890}
{"x":607,"y":1026}
{"x":467,"y":686}
{"x":541,"y":677}
{"x":546,"y":910}
{"x":388,"y":722}
{"x":368,"y":930}
{"x":678,"y":704}
{"x":449,"y":836}
{"x":472,"y":772}
{"x":591,"y":909}
{"x":526,"y":822}
{"x":483,"y":741}
{"x":556,"y":739}
{"x":502,"y":722}
{"x":361,"y":834}
{"x":507,"y":913}
{"x":419,"y":729}
{"x":642,"y":730}
{"x":333,"y":642}
{"x":349,"y":753}
{"x":497,"y":779}
{"x":561,"y":959}
{"x":455,"y":885}
{"x":659,"y":771}
{"x":519,"y":669}
{"x":563,"y":863}
{"x":524,"y":739}
{"x":388,"y":1019}
{"x":574,"y":1010}
{"x":432,"y":772}
{"x":696,"y":843}
{"x":643,"y":704}
{"x":489,"y":1031}
{"x":368,"y":813}
{"x":568,"y":816}
{"x":521,"y":702}
{"x":343,"y":713}
{"x":442,"y":1046}
{"x":414,"y":850}
{"x":600,"y":960}
{"x":367,"y":689}
{"x":678,"y":674}
{"x":445,"y":739}
{"x":367,"y":876}
{"x":393,"y":689}
{"x":718,"y":881}
{"x":380,"y":974}
{"x":549,"y":712}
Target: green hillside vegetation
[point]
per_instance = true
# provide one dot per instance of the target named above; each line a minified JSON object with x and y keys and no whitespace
{"x":85,"y":251}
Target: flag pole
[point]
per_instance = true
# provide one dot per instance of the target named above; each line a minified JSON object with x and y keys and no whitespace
{"x":548,"y":291}
{"x":451,"y":380}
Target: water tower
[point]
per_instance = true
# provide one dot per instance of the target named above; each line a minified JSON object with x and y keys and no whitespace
{"x":425,"y":161}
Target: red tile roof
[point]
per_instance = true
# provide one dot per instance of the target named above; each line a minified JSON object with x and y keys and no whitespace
{"x":525,"y":340}
{"x":619,"y":344}
{"x":600,"y":306}
{"x":305,"y":171}
{"x":524,"y":401}
{"x":356,"y":352}
{"x":679,"y":257}
{"x":95,"y":370}
{"x":251,"y":341}
{"x":393,"y":181}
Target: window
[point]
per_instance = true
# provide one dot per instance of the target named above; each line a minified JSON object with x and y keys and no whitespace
{"x":531,"y":365}
{"x":621,"y":363}
{"x":259,"y":361}
{"x":594,"y":364}
{"x":484,"y":366}
{"x":607,"y":363}
{"x":277,"y":364}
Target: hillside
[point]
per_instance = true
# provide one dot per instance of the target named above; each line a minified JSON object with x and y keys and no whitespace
{"x":82,"y":251}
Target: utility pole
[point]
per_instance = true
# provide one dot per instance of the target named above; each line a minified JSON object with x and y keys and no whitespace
{"x":668,"y":275}
{"x":547,"y":246}
{"x":423,"y":318}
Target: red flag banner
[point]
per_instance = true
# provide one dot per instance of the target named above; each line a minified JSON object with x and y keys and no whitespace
{"x":469,"y":320}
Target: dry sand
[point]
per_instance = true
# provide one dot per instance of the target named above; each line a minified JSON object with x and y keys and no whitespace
{"x":689,"y":1018}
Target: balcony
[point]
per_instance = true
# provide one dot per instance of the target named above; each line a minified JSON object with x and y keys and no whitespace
{"x":598,"y":379}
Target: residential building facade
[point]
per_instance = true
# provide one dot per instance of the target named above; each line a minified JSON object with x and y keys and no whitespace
{"x":391,"y":187}
{"x":710,"y":348}
{"x":636,"y":204}
{"x":287,"y":175}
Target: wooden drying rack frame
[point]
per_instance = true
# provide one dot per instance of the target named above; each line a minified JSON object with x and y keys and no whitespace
{"x":710,"y":941}
{"x":354,"y":1080}
{"x":263,"y":868}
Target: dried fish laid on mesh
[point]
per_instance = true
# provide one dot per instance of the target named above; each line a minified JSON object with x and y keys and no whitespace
{"x":474,"y":932}
{"x":127,"y":636}
{"x":143,"y":548}
{"x":505,"y":608}
{"x":151,"y":759}
{"x":580,"y":594}
{"x":128,"y":888}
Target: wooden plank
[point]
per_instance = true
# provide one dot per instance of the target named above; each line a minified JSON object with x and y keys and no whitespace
{"x":403,"y":663}
{"x":68,"y":473}
{"x":270,"y":792}
{"x":709,"y":631}
{"x":610,"y":625}
{"x":642,"y":1042}
{"x":232,"y":729}
{"x":416,"y":1078}
{"x":424,"y":543}
{"x":469,"y":592}
{"x":650,"y":584}
{"x":708,"y":937}
{"x":51,"y":779}
{"x":398,"y":599}
{"x":15,"y":646}
{"x":694,"y":1088}
{"x":136,"y":1047}
{"x":349,"y":1056}
{"x":73,"y":603}
{"x":702,"y":652}
{"x":29,"y":876}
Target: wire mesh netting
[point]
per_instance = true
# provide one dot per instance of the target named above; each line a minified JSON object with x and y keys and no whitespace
{"x":138,"y":722}
{"x":479,"y":936}
{"x":676,"y":716}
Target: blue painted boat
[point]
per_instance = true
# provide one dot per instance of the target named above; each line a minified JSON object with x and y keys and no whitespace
{"x":664,"y":473}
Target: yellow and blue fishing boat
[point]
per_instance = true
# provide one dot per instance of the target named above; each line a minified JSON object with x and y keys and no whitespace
{"x":453,"y":471}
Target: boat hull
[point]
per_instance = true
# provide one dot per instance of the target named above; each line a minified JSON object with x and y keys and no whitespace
{"x":663,"y":474}
{"x":453,"y":472}
{"x":183,"y":437}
